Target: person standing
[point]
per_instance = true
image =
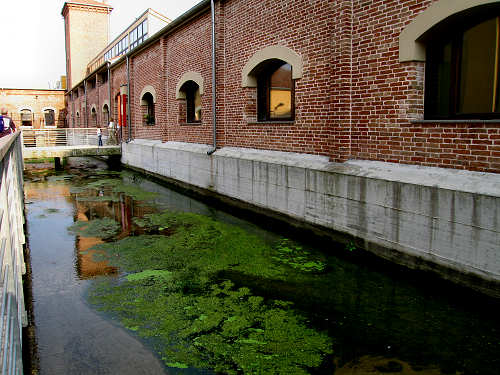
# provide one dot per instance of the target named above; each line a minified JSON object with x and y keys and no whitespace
{"x":7,"y":126}
{"x":112,"y":132}
{"x":99,"y":136}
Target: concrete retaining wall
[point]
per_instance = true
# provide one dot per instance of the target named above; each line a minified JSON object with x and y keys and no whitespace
{"x":443,"y":220}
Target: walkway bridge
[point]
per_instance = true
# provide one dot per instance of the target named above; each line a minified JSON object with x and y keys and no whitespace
{"x":67,"y":142}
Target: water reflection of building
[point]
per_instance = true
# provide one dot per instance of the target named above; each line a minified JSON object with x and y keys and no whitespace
{"x":88,"y":264}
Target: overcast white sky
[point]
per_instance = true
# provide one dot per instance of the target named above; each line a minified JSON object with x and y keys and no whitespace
{"x":32,"y":36}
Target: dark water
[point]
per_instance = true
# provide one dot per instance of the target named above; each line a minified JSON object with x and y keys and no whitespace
{"x":381,"y":319}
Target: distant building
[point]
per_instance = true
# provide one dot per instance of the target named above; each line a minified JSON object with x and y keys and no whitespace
{"x":86,"y":25}
{"x":35,"y":108}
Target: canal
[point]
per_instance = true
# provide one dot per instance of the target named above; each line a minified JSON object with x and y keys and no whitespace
{"x":131,"y":277}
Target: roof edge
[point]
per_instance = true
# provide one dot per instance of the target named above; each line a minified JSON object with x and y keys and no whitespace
{"x":65,"y":6}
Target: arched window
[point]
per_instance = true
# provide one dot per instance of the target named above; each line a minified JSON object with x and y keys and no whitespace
{"x":275,"y":91}
{"x":26,"y":117}
{"x":105,"y":113}
{"x":462,"y":70}
{"x":49,"y":116}
{"x":77,"y":119}
{"x":273,"y":71}
{"x":93,"y":115}
{"x":193,"y":101}
{"x":148,"y":108}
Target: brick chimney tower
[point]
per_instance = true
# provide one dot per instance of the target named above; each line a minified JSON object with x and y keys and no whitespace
{"x":86,"y":27}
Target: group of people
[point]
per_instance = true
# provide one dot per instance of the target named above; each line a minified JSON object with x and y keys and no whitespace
{"x":7,"y":126}
{"x":114,"y":133}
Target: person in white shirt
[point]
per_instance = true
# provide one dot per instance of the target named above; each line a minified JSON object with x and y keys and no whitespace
{"x":99,"y":136}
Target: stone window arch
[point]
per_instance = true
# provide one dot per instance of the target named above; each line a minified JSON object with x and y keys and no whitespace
{"x":148,"y":101}
{"x":188,"y":76}
{"x":105,"y":112}
{"x":458,"y":42}
{"x":189,"y":91}
{"x":285,"y":54}
{"x":26,"y":114}
{"x":49,"y":116}
{"x":272,"y":71}
{"x":93,"y":114}
{"x":411,"y":39}
{"x":148,"y":89}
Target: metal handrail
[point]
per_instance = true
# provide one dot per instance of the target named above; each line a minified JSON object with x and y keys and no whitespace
{"x":12,"y":309}
{"x":64,"y":137}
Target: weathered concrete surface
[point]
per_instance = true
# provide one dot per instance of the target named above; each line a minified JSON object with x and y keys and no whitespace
{"x":67,"y":151}
{"x":423,"y":217}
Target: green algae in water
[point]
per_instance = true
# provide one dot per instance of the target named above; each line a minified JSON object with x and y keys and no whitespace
{"x":103,"y":228}
{"x":60,"y":177}
{"x":78,"y":189}
{"x":162,"y":274}
{"x":102,"y":183}
{"x":118,"y":186}
{"x":52,"y":210}
{"x":296,"y":257}
{"x":103,"y":198}
{"x":227,"y":329}
{"x":192,"y":318}
{"x":134,"y":192}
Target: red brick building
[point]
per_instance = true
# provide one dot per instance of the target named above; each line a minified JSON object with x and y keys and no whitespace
{"x":408,"y":81}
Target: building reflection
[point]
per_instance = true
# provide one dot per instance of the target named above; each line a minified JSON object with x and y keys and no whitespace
{"x":88,"y":263}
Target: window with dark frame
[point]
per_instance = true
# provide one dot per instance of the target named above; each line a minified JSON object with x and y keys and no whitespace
{"x":148,"y":109}
{"x":193,"y":101}
{"x":93,"y":114}
{"x":462,"y":72}
{"x":105,"y":112}
{"x":275,"y":91}
{"x":49,"y":117}
{"x":26,"y":117}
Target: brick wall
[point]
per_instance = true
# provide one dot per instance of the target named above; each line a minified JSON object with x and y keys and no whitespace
{"x":388,"y":100}
{"x":189,"y":50}
{"x":355,"y":100}
{"x":144,"y":71}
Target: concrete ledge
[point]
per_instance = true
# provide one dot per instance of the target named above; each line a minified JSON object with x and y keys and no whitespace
{"x":421,"y":217}
{"x":452,"y":179}
{"x":275,"y":157}
{"x":68,"y":151}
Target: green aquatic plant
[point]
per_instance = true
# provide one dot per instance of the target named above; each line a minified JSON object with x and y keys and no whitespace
{"x":134,"y":192}
{"x":172,"y":296}
{"x":60,"y":177}
{"x":292,"y":254}
{"x":350,"y":246}
{"x":77,"y":189}
{"x":162,"y":274}
{"x":102,"y":198}
{"x":227,"y":329}
{"x":118,"y":186}
{"x":103,"y":228}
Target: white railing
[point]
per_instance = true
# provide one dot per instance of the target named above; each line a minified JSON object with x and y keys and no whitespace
{"x":64,"y":137}
{"x":12,"y":309}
